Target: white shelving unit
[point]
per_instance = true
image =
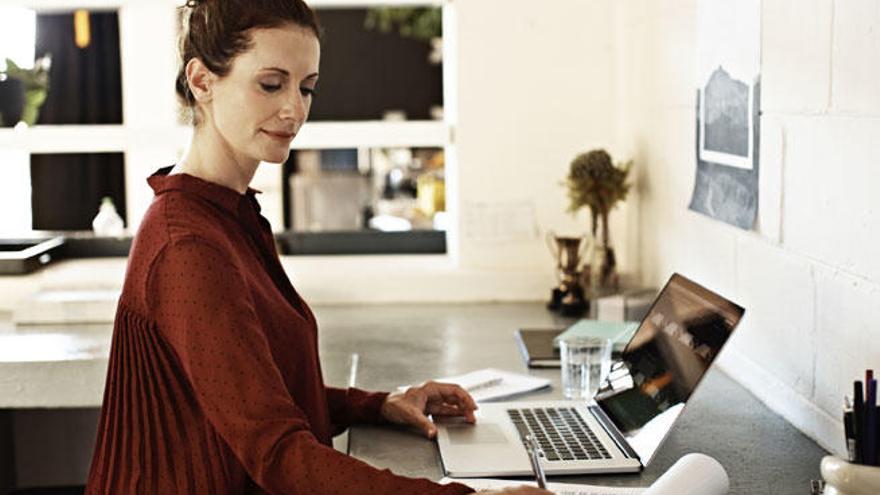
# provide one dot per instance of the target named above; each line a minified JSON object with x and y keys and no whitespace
{"x":66,"y":5}
{"x":150,"y":136}
{"x":314,"y":135}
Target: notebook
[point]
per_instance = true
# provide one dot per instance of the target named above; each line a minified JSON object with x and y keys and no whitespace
{"x":536,"y":346}
{"x":619,"y":332}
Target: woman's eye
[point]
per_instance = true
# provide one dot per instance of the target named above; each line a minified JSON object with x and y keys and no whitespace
{"x":307,"y":91}
{"x":271,"y":88}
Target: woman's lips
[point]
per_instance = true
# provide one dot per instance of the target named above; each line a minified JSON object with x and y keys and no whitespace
{"x":281,"y":136}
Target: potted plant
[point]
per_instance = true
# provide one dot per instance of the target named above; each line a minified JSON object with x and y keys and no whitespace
{"x":421,"y":23}
{"x":24,"y":91}
{"x":594,"y":182}
{"x":418,"y":23}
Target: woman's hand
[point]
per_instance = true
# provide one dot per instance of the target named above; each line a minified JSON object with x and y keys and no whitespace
{"x":439,"y":399}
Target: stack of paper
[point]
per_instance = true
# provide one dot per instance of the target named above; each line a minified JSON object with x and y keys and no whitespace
{"x":490,"y":384}
{"x":557,"y":488}
{"x":693,"y":474}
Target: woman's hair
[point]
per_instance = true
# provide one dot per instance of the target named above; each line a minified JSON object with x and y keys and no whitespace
{"x":216,"y":31}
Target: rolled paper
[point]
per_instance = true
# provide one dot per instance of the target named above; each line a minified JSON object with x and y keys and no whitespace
{"x":693,"y":474}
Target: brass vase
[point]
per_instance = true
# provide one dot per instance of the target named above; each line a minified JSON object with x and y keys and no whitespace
{"x":568,"y":296}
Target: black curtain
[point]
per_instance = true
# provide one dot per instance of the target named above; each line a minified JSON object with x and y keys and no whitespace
{"x":84,"y":88}
{"x":364,"y":72}
{"x":85,"y":84}
{"x":67,"y":188}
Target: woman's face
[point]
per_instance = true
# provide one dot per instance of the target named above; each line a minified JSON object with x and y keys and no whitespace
{"x":260,"y":105}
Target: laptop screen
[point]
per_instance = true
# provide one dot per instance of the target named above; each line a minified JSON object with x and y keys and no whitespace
{"x":665,"y":360}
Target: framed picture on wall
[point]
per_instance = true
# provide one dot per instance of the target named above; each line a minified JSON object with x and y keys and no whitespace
{"x":728,"y":111}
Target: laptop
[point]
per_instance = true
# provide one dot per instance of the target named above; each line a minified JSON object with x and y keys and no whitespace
{"x":621,"y":429}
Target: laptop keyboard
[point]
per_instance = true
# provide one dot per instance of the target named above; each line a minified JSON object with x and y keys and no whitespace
{"x":560,"y":431}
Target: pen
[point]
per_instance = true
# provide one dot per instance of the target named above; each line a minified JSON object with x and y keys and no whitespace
{"x":869,"y":456}
{"x":877,"y":437}
{"x":858,"y":418}
{"x":535,"y":454}
{"x":850,"y":436}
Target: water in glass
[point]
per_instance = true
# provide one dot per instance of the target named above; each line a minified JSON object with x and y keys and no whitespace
{"x":586,"y":362}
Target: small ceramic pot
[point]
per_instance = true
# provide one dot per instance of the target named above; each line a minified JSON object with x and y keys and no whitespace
{"x":844,"y":478}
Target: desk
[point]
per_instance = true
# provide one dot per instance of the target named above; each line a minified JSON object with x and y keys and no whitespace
{"x":762,"y":453}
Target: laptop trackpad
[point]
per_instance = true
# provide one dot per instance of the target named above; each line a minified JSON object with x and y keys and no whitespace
{"x":470,"y":434}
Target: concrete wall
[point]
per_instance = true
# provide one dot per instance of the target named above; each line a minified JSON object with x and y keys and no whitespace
{"x":533,"y":91}
{"x":809,"y":276}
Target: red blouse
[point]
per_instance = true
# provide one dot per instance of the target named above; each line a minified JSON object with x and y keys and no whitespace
{"x":214,"y":384}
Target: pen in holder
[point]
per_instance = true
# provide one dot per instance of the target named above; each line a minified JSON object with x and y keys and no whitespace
{"x":845,"y":478}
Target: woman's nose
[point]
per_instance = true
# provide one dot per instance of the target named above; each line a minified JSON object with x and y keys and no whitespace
{"x":294,"y":108}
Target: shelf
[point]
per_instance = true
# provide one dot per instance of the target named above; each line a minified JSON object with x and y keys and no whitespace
{"x":365,"y":134}
{"x":69,"y":5}
{"x":65,"y":138}
{"x":328,"y":4}
{"x":314,"y":135}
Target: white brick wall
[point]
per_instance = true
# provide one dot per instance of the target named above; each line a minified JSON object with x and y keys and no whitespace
{"x":831,"y":210}
{"x":810,"y":276}
{"x":856,"y":57}
{"x":796,"y":56}
{"x":847,"y":316}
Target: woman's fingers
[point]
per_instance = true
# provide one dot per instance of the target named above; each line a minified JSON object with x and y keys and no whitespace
{"x":450,"y":393}
{"x":418,"y":419}
{"x":415,"y":404}
{"x":445,"y":409}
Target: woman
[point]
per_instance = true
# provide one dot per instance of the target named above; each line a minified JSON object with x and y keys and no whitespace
{"x":214,"y":384}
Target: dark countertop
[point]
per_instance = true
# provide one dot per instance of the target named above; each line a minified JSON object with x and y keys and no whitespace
{"x":762,"y":453}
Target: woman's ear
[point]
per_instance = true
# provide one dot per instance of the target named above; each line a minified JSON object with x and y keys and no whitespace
{"x":200,"y":80}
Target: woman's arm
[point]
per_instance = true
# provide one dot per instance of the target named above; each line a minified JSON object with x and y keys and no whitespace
{"x":410,"y":407}
{"x":350,"y":406}
{"x":204,"y":311}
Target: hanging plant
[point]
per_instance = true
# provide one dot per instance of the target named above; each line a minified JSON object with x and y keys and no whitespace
{"x":419,"y":23}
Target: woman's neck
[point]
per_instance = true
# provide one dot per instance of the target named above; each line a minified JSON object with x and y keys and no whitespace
{"x":210,"y":158}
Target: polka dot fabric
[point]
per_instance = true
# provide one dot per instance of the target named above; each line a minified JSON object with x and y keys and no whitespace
{"x":214,"y":384}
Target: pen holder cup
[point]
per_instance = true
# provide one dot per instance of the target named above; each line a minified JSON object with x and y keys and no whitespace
{"x":845,"y":478}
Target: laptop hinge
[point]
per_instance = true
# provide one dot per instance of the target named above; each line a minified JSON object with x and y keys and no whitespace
{"x":613,"y":432}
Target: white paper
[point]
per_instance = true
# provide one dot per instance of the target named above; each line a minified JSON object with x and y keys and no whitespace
{"x":557,"y":488}
{"x":504,"y":383}
{"x":693,"y":474}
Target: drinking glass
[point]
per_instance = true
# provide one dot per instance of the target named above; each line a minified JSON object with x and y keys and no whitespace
{"x":586,"y":362}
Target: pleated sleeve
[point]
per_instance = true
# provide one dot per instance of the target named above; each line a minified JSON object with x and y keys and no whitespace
{"x":205,"y":312}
